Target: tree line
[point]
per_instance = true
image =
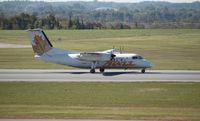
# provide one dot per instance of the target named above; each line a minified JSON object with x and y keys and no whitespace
{"x":27,"y":21}
{"x":98,"y":15}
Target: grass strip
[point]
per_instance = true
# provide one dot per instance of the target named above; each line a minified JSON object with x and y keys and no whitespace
{"x":165,"y":101}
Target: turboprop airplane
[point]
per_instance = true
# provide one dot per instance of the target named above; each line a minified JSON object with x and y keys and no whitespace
{"x":108,"y":59}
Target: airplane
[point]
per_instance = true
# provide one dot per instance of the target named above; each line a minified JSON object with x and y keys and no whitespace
{"x":108,"y":59}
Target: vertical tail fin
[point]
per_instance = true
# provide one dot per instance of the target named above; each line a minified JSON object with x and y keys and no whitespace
{"x":39,"y":41}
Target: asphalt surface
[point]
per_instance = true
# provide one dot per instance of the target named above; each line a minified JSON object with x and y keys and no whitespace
{"x":107,"y":76}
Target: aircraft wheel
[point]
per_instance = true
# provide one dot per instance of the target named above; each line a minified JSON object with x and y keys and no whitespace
{"x":143,"y":71}
{"x":92,"y":70}
{"x":101,"y":70}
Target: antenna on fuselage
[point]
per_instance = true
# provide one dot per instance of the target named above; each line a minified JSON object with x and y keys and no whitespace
{"x":121,"y":49}
{"x":113,"y":47}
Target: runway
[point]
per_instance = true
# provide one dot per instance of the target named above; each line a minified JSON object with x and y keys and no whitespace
{"x":107,"y":76}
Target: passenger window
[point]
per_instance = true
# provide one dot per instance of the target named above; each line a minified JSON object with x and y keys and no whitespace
{"x":137,"y":57}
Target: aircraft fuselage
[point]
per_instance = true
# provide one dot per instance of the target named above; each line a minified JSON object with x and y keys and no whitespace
{"x":125,"y":61}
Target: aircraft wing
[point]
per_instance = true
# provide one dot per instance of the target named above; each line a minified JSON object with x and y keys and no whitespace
{"x":95,"y":56}
{"x":113,"y":51}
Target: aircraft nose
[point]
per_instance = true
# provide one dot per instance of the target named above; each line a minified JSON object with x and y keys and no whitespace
{"x":148,"y":64}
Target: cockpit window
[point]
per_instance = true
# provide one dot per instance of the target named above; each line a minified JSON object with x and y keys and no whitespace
{"x":137,"y":57}
{"x":140,"y":57}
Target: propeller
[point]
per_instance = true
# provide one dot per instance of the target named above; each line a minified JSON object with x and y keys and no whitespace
{"x":112,"y":56}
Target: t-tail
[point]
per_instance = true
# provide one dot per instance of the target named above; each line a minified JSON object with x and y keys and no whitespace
{"x":44,"y":50}
{"x":39,"y":41}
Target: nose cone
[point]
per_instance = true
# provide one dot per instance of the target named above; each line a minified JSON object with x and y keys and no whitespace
{"x":148,"y":64}
{"x":143,"y":63}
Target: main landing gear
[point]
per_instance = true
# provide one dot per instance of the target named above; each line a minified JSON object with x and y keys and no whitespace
{"x":101,"y":70}
{"x":92,"y":70}
{"x":143,"y":70}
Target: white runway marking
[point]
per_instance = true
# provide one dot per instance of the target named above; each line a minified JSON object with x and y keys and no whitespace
{"x":108,"y":76}
{"x":6,"y":45}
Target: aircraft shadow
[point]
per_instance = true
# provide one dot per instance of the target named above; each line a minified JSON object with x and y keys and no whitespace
{"x":69,"y":72}
{"x":107,"y":73}
{"x":117,"y":73}
{"x":128,"y":72}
